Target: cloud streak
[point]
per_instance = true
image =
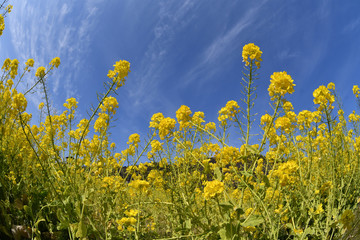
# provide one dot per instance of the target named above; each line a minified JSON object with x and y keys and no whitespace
{"x":43,"y":30}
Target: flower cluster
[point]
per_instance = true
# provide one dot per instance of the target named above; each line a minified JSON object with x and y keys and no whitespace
{"x":250,"y":53}
{"x":70,"y":103}
{"x":55,"y":62}
{"x":183,"y":116}
{"x":101,"y":123}
{"x":356,"y":90}
{"x":109,"y":104}
{"x":156,"y":146}
{"x":281,"y":83}
{"x":120,"y":72}
{"x":213,"y":188}
{"x":228,"y":112}
{"x":2,"y":24}
{"x":166,"y":126}
{"x":19,"y":102}
{"x":134,"y":139}
{"x":286,"y":173}
{"x":40,"y":72}
{"x":140,"y":185}
{"x":323,"y":97}
{"x":283,"y":123}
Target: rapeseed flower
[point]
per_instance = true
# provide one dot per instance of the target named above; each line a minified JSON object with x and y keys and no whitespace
{"x":55,"y":62}
{"x":198,"y":118}
{"x":281,"y":83}
{"x":14,"y":68}
{"x":250,"y":53}
{"x":155,"y":120}
{"x":183,"y":116}
{"x":70,"y":103}
{"x":356,"y":90}
{"x":120,"y":72}
{"x":213,"y":188}
{"x":283,"y":123}
{"x":30,"y":63}
{"x":19,"y":102}
{"x":40,"y":72}
{"x":134,"y":140}
{"x":2,"y":24}
{"x":228,"y":112}
{"x":139,"y":185}
{"x":109,"y":104}
{"x":323,"y":97}
{"x":165,"y":127}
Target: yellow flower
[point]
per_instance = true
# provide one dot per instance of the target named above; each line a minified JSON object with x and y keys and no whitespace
{"x":165,"y":127}
{"x":140,"y":185}
{"x":9,"y":83}
{"x":155,"y":120}
{"x":229,"y":155}
{"x":356,"y":90}
{"x":183,"y":116}
{"x":14,"y":67}
{"x":318,"y":210}
{"x":2,"y":24}
{"x":265,"y":119}
{"x":19,"y":102}
{"x":323,"y":97}
{"x":353,"y":117}
{"x":198,"y":118}
{"x":287,"y":106}
{"x":284,"y":123}
{"x":228,"y":112}
{"x":126,"y":221}
{"x":210,"y":127}
{"x":121,"y":70}
{"x":70,"y":103}
{"x":40,"y":72}
{"x":251,"y":52}
{"x":134,"y":139}
{"x":101,"y":122}
{"x":132,"y":213}
{"x":331,"y":86}
{"x":41,"y":105}
{"x":55,"y":62}
{"x":109,"y":104}
{"x":156,"y":146}
{"x":213,"y":188}
{"x":286,"y":173}
{"x":30,"y":62}
{"x":8,"y":8}
{"x":280,"y":84}
{"x":7,"y":62}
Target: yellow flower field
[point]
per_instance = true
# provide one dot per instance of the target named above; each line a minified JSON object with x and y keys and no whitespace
{"x":62,"y":179}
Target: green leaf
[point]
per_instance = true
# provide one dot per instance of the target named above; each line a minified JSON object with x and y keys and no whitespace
{"x":27,"y":210}
{"x":218,"y":174}
{"x":246,"y":174}
{"x":81,"y":230}
{"x":253,"y":221}
{"x":266,"y":181}
{"x":223,"y":234}
{"x":226,"y":206}
{"x":239,"y":211}
{"x":252,"y":149}
{"x":188,"y":223}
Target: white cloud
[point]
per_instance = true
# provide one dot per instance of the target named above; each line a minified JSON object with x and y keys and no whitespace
{"x":46,"y":29}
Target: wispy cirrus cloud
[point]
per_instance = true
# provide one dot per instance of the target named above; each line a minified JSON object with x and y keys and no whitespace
{"x":43,"y":30}
{"x":171,"y":19}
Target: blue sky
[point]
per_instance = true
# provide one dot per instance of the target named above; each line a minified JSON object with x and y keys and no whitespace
{"x":184,"y":52}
